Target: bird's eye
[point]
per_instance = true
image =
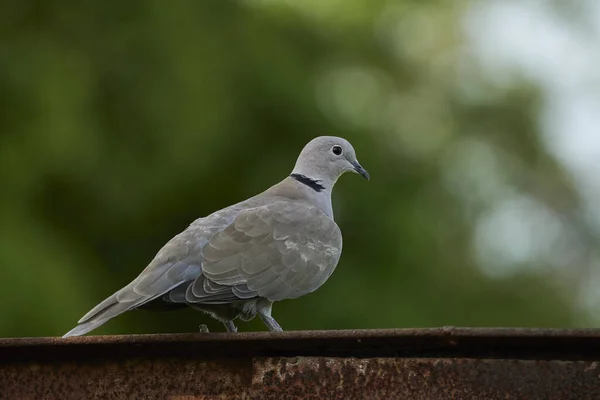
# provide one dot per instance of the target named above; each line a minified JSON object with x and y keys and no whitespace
{"x":337,"y":150}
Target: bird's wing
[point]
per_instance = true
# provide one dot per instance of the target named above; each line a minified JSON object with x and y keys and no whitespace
{"x":277,"y":251}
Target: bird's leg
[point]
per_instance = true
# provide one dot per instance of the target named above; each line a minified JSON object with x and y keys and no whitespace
{"x":229,"y":325}
{"x":264,"y":310}
{"x":271,"y":323}
{"x":204,"y":329}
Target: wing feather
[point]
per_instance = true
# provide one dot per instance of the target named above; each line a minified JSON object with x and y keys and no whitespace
{"x":280,"y":250}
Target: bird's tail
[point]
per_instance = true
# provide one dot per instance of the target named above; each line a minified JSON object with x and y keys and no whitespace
{"x":146,"y":287}
{"x":124,"y":300}
{"x":104,"y":311}
{"x":108,"y":309}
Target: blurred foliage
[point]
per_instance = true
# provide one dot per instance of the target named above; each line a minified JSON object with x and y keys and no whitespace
{"x":121,"y":122}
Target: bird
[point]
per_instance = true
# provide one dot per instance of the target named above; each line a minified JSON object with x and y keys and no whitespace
{"x":236,"y":262}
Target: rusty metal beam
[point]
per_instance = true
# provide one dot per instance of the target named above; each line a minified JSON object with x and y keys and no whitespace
{"x":444,"y":363}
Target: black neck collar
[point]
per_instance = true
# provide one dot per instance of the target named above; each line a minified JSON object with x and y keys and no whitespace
{"x":311,"y":183}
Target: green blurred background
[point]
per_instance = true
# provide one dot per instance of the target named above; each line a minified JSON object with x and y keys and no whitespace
{"x":121,"y":122}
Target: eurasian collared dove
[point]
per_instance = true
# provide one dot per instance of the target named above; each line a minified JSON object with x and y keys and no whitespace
{"x":234,"y":263}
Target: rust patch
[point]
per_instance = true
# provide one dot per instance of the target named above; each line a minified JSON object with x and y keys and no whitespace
{"x":418,"y":379}
{"x":126,"y":379}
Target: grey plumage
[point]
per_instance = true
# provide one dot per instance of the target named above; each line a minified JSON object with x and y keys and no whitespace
{"x":234,"y":263}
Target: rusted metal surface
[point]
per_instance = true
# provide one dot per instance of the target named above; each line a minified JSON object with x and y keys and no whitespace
{"x":436,"y":379}
{"x":444,"y":363}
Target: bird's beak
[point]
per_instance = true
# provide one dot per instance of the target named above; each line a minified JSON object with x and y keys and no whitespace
{"x":360,"y":170}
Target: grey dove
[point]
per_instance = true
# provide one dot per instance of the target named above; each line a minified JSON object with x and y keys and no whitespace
{"x":280,"y":244}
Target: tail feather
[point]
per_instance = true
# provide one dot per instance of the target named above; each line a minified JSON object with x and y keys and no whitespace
{"x":107,"y":303}
{"x":93,"y":320}
{"x":84,"y":328}
{"x":108,"y":309}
